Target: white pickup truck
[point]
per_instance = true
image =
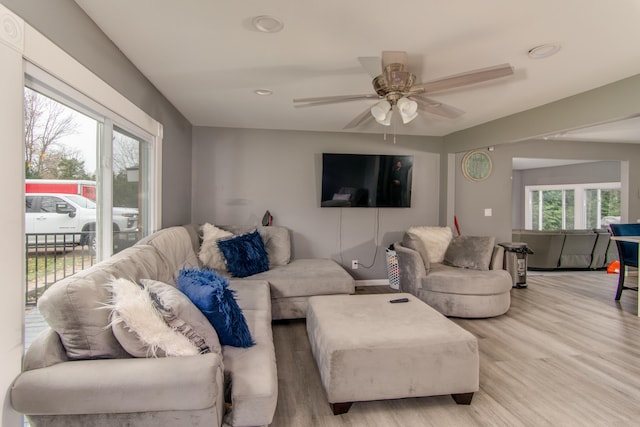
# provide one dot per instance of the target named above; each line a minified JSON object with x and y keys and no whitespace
{"x":70,"y":219}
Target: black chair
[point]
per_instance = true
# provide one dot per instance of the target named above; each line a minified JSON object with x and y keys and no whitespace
{"x":627,"y":252}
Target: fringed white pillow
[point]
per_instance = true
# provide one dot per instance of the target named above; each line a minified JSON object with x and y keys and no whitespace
{"x":140,"y":328}
{"x":210,"y":254}
{"x":435,"y":240}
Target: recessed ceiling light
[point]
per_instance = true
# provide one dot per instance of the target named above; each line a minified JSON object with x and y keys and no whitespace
{"x":543,"y":51}
{"x":263,"y":92}
{"x":267,"y":24}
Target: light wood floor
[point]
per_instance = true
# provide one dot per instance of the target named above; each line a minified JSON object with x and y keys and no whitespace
{"x":566,"y":354}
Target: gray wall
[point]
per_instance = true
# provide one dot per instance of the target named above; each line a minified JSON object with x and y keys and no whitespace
{"x":511,"y":136}
{"x":66,"y":25}
{"x":497,"y":191}
{"x":238,"y":174}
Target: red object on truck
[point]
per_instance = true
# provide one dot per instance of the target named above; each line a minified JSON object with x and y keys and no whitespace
{"x":81,"y":187}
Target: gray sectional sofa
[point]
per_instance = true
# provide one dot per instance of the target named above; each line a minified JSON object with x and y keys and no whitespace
{"x":567,"y":249}
{"x":76,"y":373}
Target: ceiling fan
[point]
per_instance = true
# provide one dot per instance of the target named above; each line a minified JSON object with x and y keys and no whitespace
{"x":396,"y":89}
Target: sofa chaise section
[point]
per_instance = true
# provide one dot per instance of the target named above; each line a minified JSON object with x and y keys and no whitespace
{"x":292,"y":281}
{"x":293,"y":284}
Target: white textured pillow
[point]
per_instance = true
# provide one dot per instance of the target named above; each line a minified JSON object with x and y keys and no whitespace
{"x":210,"y":254}
{"x":435,"y":240}
{"x":183,"y":316}
{"x":140,"y":328}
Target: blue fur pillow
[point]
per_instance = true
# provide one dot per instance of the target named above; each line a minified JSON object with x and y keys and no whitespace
{"x":210,"y":293}
{"x":245,"y":254}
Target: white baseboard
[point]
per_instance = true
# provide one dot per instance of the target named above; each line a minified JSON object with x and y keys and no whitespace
{"x":373,"y":282}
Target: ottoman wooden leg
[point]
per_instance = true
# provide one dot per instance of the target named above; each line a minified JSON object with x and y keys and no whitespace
{"x":463,"y":398}
{"x":341,"y":408}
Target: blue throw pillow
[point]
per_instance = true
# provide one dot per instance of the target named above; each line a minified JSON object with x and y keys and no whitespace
{"x":210,"y":293}
{"x":245,"y":254}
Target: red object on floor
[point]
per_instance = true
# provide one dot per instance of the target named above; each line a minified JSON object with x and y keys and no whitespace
{"x":455,"y":221}
{"x":614,"y":268}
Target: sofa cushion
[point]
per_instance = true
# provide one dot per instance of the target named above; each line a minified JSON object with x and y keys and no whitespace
{"x":75,"y":306}
{"x":139,"y":324}
{"x":251,"y":294}
{"x":472,"y":252}
{"x":305,"y":277}
{"x":210,"y":254}
{"x":277,"y":241}
{"x":253,"y":375}
{"x":435,"y":240}
{"x":176,"y":250}
{"x":210,"y":293}
{"x":245,"y":254}
{"x":462,"y":281}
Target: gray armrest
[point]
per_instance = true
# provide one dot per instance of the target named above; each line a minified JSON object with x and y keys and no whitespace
{"x":120,"y":386}
{"x":410,"y":267}
{"x":497,"y":258}
{"x":45,"y":350}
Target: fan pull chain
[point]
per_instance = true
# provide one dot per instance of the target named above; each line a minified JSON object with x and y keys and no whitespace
{"x":394,"y":132}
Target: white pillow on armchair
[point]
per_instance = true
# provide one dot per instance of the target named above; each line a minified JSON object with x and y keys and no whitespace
{"x":434,"y":239}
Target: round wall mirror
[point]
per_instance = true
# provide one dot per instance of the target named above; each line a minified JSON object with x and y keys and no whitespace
{"x":476,"y":165}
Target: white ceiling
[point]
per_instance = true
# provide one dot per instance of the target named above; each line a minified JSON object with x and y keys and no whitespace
{"x":207,"y":59}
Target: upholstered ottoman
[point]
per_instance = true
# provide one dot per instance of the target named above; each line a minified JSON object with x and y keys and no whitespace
{"x":367,"y":348}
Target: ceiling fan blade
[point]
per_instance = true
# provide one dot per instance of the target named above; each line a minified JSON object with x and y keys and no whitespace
{"x":468,"y":78}
{"x":436,"y":107}
{"x":371,"y":64}
{"x":359,"y":119}
{"x":312,"y":102}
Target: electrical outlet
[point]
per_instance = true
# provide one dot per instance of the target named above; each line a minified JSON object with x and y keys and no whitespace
{"x":354,"y":264}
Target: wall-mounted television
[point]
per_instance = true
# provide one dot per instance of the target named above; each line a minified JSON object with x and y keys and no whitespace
{"x":366,"y":180}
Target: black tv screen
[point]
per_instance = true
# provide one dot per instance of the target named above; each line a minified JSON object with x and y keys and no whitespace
{"x":366,"y":180}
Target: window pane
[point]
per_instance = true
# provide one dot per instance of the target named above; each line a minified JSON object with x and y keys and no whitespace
{"x":60,"y":164}
{"x":535,"y":210}
{"x":569,"y":209}
{"x":128,"y":193}
{"x":552,"y":210}
{"x":591,"y":202}
{"x":609,"y":207}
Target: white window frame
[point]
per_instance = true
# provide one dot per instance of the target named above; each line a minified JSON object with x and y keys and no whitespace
{"x":580,"y":203}
{"x":49,"y":64}
{"x":39,"y":80}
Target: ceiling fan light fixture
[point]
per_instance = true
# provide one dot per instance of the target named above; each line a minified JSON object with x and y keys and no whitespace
{"x":407,"y":106}
{"x":406,"y":118}
{"x":408,"y":109}
{"x":380,"y":110}
{"x":386,"y":120}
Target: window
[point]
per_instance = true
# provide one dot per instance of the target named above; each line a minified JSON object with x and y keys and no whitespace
{"x":92,"y":181}
{"x":569,"y":207}
{"x":69,"y":139}
{"x":602,"y":207}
